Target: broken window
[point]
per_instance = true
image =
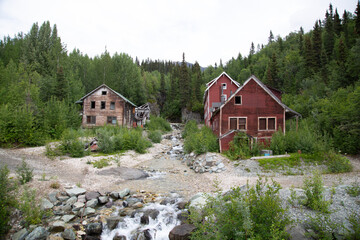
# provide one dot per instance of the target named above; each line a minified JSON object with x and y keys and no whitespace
{"x":238,"y":100}
{"x":103,"y":104}
{"x":90,"y":119}
{"x":111,"y":120}
{"x":92,"y":104}
{"x":103,"y":93}
{"x":112,"y":105}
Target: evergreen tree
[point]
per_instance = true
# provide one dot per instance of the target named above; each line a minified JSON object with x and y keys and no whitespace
{"x":337,"y":23}
{"x":184,"y":84}
{"x":301,"y":41}
{"x":61,"y":84}
{"x":317,"y":45}
{"x":357,"y":18}
{"x":308,"y":55}
{"x":329,"y":37}
{"x":271,"y":37}
{"x":162,"y":92}
{"x":272,"y":72}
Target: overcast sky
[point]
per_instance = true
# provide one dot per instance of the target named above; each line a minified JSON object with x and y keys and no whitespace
{"x":206,"y":30}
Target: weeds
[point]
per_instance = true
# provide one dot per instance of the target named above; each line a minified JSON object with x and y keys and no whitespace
{"x":24,"y":172}
{"x":354,"y":190}
{"x":155,"y":136}
{"x":241,"y":147}
{"x":29,"y":207}
{"x":158,"y":123}
{"x":314,"y":189}
{"x":104,"y":162}
{"x":55,"y":185}
{"x":200,"y":141}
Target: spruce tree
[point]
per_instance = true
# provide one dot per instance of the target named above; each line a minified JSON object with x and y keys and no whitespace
{"x":61,"y":84}
{"x":184,"y":84}
{"x":271,"y":37}
{"x":337,"y":23}
{"x":317,"y":45}
{"x":301,"y":41}
{"x":357,"y":18}
{"x":329,"y":34}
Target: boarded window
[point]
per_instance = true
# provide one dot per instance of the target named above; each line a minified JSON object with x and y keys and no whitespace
{"x":271,"y":123}
{"x":90,"y":119}
{"x":262,"y":123}
{"x":233,"y":123}
{"x":92,"y":104}
{"x":103,"y":93}
{"x":112,"y":105}
{"x":111,"y":120}
{"x":238,"y":100}
{"x":103,"y":104}
{"x":242,"y":123}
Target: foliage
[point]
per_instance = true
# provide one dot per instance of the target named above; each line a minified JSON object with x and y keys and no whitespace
{"x":7,"y":199}
{"x":104,"y":162}
{"x":70,"y":144}
{"x":158,"y":123}
{"x":189,"y":129}
{"x":201,"y":141}
{"x":322,"y":225}
{"x":314,"y":189}
{"x":241,"y":147}
{"x":354,"y":190}
{"x":24,"y":172}
{"x":255,"y":213}
{"x":337,"y":163}
{"x":354,"y":231}
{"x":29,"y":206}
{"x":155,"y":136}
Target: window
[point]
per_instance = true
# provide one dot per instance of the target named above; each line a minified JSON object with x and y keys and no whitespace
{"x":103,"y":93}
{"x":238,"y":100}
{"x":112,"y":105}
{"x":90,"y":119}
{"x":111,"y":120}
{"x":223,"y":98}
{"x":92,"y":104}
{"x":267,"y":123}
{"x":103,"y":104}
{"x":223,"y":86}
{"x":237,"y":123}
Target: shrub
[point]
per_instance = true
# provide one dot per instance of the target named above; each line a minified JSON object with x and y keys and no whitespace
{"x":314,"y":189}
{"x":155,"y":136}
{"x":354,"y":190}
{"x":30,"y":207}
{"x":254,"y":214}
{"x":323,"y":227}
{"x":201,"y":141}
{"x":158,"y":123}
{"x":354,"y":231}
{"x":55,"y":185}
{"x":105,"y":141}
{"x":101,"y":163}
{"x":190,"y":128}
{"x":240,"y":147}
{"x":52,"y":151}
{"x":70,"y":144}
{"x":337,"y":163}
{"x":7,"y":199}
{"x":24,"y":172}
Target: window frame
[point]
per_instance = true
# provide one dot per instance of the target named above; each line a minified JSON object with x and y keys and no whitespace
{"x":103,"y":93}
{"x":112,"y":105}
{"x":101,"y":105}
{"x":237,"y":123}
{"x":91,"y":118}
{"x":92,"y":103}
{"x":224,"y":86}
{"x":240,"y":96}
{"x":110,"y":120}
{"x":267,"y":123}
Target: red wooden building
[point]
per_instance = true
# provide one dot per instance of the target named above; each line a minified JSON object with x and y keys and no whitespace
{"x":253,"y":108}
{"x":216,"y":93}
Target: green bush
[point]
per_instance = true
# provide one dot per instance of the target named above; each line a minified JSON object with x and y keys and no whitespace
{"x":7,"y":200}
{"x":24,"y":172}
{"x":189,"y":129}
{"x":255,"y":213}
{"x":104,"y":162}
{"x":70,"y":143}
{"x":158,"y":123}
{"x":337,"y":163}
{"x":201,"y":141}
{"x":314,"y":189}
{"x":155,"y":136}
{"x":240,"y":147}
{"x":30,"y":208}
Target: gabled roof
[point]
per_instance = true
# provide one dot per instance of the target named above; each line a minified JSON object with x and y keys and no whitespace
{"x":266,"y":89}
{"x":104,"y":85}
{"x":212,"y":82}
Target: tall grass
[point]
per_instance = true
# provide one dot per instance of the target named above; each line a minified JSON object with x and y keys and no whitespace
{"x":158,"y":123}
{"x":199,"y":140}
{"x":241,"y":147}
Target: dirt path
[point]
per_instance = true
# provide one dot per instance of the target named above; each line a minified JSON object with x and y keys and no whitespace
{"x":170,"y":175}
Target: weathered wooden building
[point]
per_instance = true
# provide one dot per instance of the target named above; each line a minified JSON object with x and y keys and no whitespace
{"x":103,"y":106}
{"x":254,"y":109}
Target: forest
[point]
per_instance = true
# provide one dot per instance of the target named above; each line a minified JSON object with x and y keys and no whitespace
{"x":317,"y":71}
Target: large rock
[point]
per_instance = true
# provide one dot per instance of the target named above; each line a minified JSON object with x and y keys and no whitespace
{"x":92,"y":203}
{"x":181,"y":232}
{"x":46,"y":204}
{"x":57,"y":226}
{"x":38,"y":233}
{"x":91,"y":195}
{"x":112,"y":222}
{"x":124,"y":193}
{"x":68,"y":234}
{"x":71,"y":200}
{"x":150,"y":213}
{"x":77,"y":206}
{"x":198,"y":201}
{"x":68,"y":218}
{"x":52,"y":196}
{"x":125,"y":173}
{"x":89,"y":211}
{"x":103,"y":199}
{"x":94,"y":229}
{"x":20,"y":235}
{"x":75,"y":191}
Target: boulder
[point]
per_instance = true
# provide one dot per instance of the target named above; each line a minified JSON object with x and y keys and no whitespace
{"x":181,"y":232}
{"x":93,"y":229}
{"x":68,"y":234}
{"x":68,"y":218}
{"x":75,"y":191}
{"x":119,"y":237}
{"x":81,"y":198}
{"x":88,"y":211}
{"x":52,"y":196}
{"x":150,"y":213}
{"x":71,"y":200}
{"x":62,"y":198}
{"x":198,"y":201}
{"x":57,"y":226}
{"x":20,"y":235}
{"x":112,"y":222}
{"x":91,"y":195}
{"x":137,"y":205}
{"x":103,"y":199}
{"x":38,"y":233}
{"x":124,"y":193}
{"x":92,"y":203}
{"x":77,"y":206}
{"x":114,"y":194}
{"x":46,"y":204}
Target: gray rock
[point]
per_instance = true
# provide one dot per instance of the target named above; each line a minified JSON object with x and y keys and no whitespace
{"x":77,"y":206}
{"x":181,"y":232}
{"x":114,"y":194}
{"x":150,"y":213}
{"x":38,"y":233}
{"x":89,"y":211}
{"x":125,"y":173}
{"x":131,"y":201}
{"x":62,"y":198}
{"x":92,"y":203}
{"x":68,"y":218}
{"x":93,"y":229}
{"x":71,"y":200}
{"x":221,"y":165}
{"x":46,"y":204}
{"x":296,"y":232}
{"x":119,"y":237}
{"x":52,"y":196}
{"x":81,"y":198}
{"x":20,"y":235}
{"x":112,"y":222}
{"x":91,"y":195}
{"x":198,"y":201}
{"x":57,"y":226}
{"x":103,"y":199}
{"x":68,"y":234}
{"x":124,"y":193}
{"x":75,"y":191}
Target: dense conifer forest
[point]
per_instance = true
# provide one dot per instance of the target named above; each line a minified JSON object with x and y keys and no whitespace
{"x":317,"y":71}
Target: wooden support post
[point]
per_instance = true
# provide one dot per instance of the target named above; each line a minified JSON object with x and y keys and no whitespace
{"x":297,"y":125}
